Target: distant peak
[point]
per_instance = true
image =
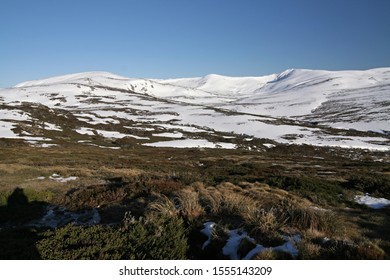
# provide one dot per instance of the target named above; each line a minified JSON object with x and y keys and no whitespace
{"x":69,"y":78}
{"x":214,"y":76}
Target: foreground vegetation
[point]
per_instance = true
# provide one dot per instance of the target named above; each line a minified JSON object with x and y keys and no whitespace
{"x":153,"y":203}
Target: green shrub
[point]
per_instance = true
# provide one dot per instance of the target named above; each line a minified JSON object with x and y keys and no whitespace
{"x":73,"y":242}
{"x":151,"y":237}
{"x":317,"y":190}
{"x":378,"y":185}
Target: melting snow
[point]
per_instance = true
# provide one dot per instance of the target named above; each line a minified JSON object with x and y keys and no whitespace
{"x":112,"y":148}
{"x":5,"y":130}
{"x":372,"y":202}
{"x":169,"y":134}
{"x":233,"y":243}
{"x":59,"y":178}
{"x":59,"y":216}
{"x":140,"y":128}
{"x":84,"y":130}
{"x":191,"y":143}
{"x":50,"y":126}
{"x":269,"y":146}
{"x":208,"y":231}
{"x":117,"y":135}
{"x":185,"y":128}
{"x":237,"y":235}
{"x":111,"y":134}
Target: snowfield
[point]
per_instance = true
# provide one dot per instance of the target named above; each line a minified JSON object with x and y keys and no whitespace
{"x":349,"y":109}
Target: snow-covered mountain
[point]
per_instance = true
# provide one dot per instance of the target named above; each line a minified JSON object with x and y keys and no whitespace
{"x":340,"y":108}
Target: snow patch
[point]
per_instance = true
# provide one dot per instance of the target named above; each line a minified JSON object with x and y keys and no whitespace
{"x":169,"y":134}
{"x":208,"y":231}
{"x":191,"y":143}
{"x":269,"y":146}
{"x":85,"y":131}
{"x":111,"y":134}
{"x":372,"y":202}
{"x":233,"y":243}
{"x":50,"y":126}
{"x":58,"y":178}
{"x":140,"y":128}
{"x":236,"y":236}
{"x":55,"y":217}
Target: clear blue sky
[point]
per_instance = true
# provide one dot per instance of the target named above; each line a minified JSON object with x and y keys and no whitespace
{"x":182,"y":38}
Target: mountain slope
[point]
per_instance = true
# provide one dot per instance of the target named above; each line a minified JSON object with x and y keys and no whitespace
{"x":294,"y":107}
{"x":309,"y":95}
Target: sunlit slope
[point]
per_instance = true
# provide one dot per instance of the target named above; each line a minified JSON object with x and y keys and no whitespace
{"x":348,"y":109}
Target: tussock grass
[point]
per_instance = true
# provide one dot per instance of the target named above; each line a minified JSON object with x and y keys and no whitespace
{"x":164,"y":206}
{"x":267,"y":254}
{"x":309,"y":250}
{"x":188,"y":204}
{"x":313,"y":219}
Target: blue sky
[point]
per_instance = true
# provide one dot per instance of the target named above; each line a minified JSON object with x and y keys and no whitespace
{"x":180,"y":38}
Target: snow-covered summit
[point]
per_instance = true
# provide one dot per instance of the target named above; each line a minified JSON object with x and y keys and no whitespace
{"x":223,"y":85}
{"x":84,"y":77}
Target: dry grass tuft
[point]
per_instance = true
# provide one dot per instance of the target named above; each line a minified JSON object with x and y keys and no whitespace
{"x":369,"y":251}
{"x":163,"y":205}
{"x":267,"y":254}
{"x":308,"y":250}
{"x":312,"y":219}
{"x":188,"y":204}
{"x":264,"y":222}
{"x":184,"y":203}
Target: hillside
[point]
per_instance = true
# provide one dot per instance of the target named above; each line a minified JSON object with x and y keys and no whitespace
{"x":347,"y":109}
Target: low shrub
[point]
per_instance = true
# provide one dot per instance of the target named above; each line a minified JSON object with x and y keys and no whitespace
{"x":317,"y":190}
{"x":378,"y":185}
{"x":151,"y":237}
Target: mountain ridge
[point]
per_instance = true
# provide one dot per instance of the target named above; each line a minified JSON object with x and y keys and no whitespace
{"x":277,"y":76}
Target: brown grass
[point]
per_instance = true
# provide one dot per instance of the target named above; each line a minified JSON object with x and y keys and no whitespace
{"x":188,"y":204}
{"x":164,"y":206}
{"x":119,"y":172}
{"x":369,"y":251}
{"x":267,"y":254}
{"x":308,"y":250}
